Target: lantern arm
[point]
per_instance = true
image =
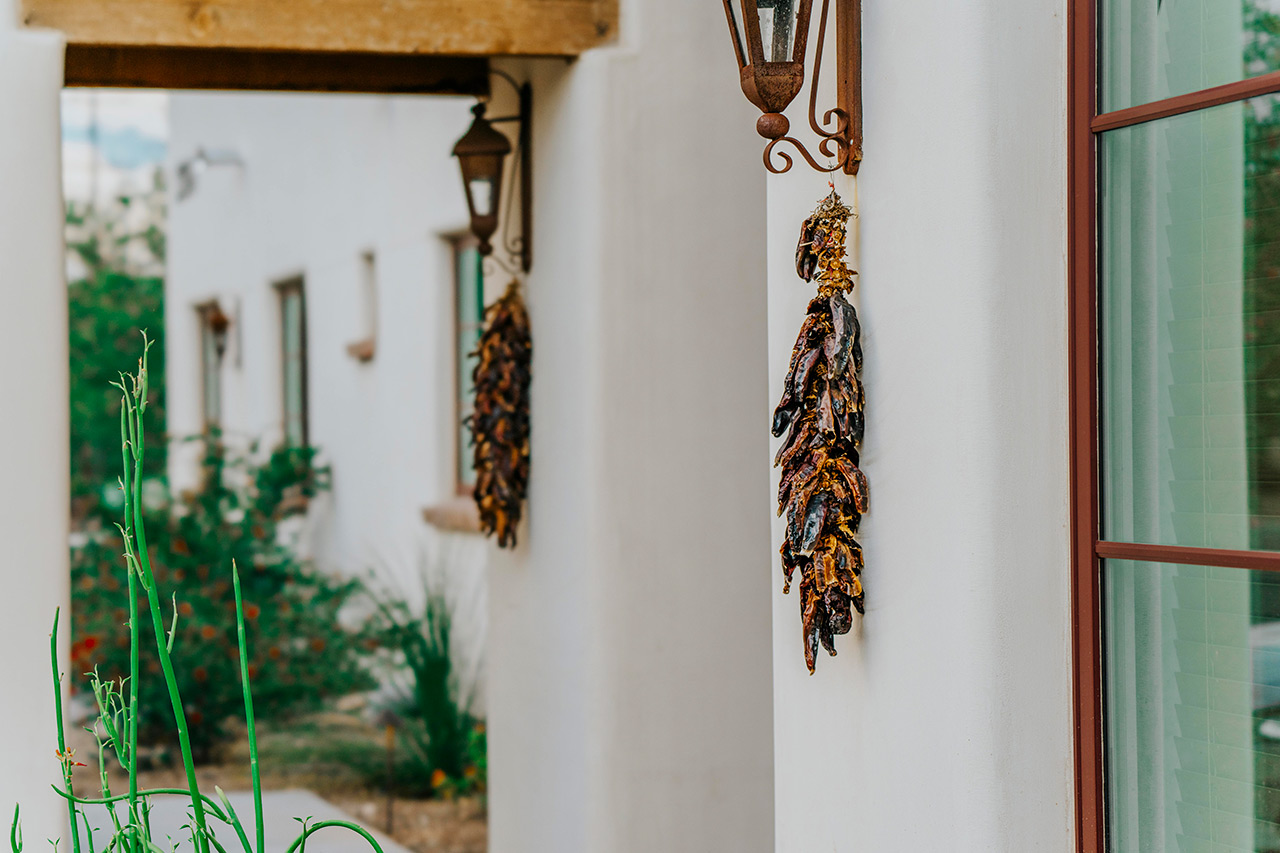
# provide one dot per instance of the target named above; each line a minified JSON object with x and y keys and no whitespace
{"x":840,"y":134}
{"x":835,"y":129}
{"x":519,"y":246}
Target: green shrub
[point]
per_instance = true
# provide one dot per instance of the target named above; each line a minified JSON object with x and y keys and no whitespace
{"x":299,"y":652}
{"x":442,"y":743}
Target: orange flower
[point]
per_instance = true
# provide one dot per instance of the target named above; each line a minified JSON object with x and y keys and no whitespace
{"x":185,"y":608}
{"x":274,"y":653}
{"x":438,"y":778}
{"x":200,"y":673}
{"x":208,"y":632}
{"x":68,"y":758}
{"x":252,"y":611}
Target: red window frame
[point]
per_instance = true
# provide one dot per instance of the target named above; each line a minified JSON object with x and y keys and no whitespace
{"x":1088,"y":550}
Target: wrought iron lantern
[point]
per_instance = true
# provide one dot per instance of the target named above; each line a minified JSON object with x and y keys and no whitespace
{"x":771,"y":63}
{"x":219,"y":325}
{"x":482,"y":153}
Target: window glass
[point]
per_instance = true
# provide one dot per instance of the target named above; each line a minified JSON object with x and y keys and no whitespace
{"x":210,"y":373}
{"x":1153,"y":49}
{"x":469,"y":321}
{"x":1193,"y":700}
{"x":294,"y":361}
{"x":1190,"y":337}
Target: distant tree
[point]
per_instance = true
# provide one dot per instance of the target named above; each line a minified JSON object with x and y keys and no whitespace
{"x":116,"y":258}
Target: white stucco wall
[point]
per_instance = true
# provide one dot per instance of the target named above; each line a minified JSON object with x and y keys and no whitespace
{"x":326,"y":178}
{"x":945,"y":721}
{"x":629,"y":653}
{"x":33,"y":348}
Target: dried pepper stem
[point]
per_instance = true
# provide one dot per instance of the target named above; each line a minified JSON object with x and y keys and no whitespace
{"x":822,"y":489}
{"x":500,"y":423}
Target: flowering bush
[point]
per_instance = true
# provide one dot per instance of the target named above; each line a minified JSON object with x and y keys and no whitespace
{"x":299,"y":652}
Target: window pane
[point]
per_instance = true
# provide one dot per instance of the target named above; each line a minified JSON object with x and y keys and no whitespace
{"x":294,"y":353}
{"x":211,"y":373}
{"x":1153,"y":49}
{"x":469,"y":300}
{"x":1192,"y":683}
{"x":1190,"y":338}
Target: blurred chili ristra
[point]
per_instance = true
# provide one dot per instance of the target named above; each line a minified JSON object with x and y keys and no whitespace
{"x":822,"y":490}
{"x":500,"y":423}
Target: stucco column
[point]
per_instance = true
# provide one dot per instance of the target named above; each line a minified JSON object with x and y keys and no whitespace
{"x":629,"y":652}
{"x":33,"y":384}
{"x":945,"y":721}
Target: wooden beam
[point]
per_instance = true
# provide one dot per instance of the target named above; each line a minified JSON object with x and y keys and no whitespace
{"x":441,"y":27}
{"x":221,"y":68}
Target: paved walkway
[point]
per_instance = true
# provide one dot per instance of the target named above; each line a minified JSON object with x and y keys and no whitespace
{"x":170,"y":814}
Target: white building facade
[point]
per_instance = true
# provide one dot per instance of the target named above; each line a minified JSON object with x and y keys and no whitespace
{"x":329,"y":234}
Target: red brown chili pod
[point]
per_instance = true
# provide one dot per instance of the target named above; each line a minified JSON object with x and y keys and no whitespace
{"x":500,"y":422}
{"x":822,"y":490}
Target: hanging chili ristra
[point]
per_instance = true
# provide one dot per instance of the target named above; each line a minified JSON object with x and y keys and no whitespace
{"x":822,"y":489}
{"x":500,"y":423}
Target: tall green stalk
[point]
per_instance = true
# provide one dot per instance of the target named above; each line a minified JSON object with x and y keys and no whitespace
{"x":131,"y":719}
{"x":63,"y":756}
{"x":248,"y":712}
{"x":135,"y":403}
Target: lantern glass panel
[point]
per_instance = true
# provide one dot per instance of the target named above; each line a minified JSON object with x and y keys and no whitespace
{"x":777,"y":29}
{"x":738,"y":32}
{"x":481,"y":190}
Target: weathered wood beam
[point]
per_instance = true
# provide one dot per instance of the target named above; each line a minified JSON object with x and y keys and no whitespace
{"x":441,"y":27}
{"x":221,"y":68}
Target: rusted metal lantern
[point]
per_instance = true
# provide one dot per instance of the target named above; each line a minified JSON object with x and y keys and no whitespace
{"x":771,"y":62}
{"x":219,"y":325}
{"x":481,"y":153}
{"x":770,"y":40}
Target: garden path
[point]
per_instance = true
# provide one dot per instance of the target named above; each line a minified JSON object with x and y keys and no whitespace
{"x":280,"y":810}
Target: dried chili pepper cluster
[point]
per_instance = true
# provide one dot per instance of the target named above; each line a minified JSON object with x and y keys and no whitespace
{"x":500,"y":423}
{"x":822,"y":490}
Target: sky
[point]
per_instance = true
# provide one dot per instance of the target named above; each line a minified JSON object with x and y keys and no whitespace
{"x":132,"y":132}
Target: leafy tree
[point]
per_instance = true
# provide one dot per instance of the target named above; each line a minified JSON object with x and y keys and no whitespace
{"x":117,"y":255}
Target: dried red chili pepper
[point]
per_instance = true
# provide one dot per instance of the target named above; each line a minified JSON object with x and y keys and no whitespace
{"x":822,"y":490}
{"x":500,"y":423}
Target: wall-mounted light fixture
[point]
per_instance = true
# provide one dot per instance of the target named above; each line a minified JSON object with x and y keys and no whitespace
{"x":482,"y":154}
{"x":771,"y":64}
{"x":219,"y":325}
{"x":190,"y":169}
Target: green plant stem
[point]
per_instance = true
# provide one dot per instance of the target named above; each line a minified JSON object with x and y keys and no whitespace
{"x":157,"y":621}
{"x":342,"y":824}
{"x":131,"y":721}
{"x":242,"y":642}
{"x":62,"y":739}
{"x":210,"y":804}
